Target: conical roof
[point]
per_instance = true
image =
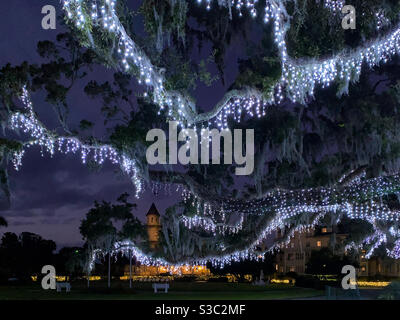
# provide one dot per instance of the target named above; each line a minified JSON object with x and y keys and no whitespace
{"x":153,"y":210}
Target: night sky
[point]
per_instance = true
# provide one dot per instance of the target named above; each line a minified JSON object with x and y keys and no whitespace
{"x":50,"y":196}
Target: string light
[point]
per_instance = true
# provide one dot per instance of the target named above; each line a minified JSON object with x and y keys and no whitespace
{"x":28,"y":123}
{"x":299,"y":77}
{"x":356,"y":199}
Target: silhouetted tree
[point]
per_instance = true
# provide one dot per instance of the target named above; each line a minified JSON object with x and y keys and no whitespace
{"x":3,"y":222}
{"x":98,"y":227}
{"x":24,"y":256}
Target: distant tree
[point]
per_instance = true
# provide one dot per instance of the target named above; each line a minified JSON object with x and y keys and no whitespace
{"x":3,"y":222}
{"x":36,"y":252}
{"x":10,"y":241}
{"x":10,"y":253}
{"x":98,"y":227}
{"x":24,"y":256}
{"x":71,"y":261}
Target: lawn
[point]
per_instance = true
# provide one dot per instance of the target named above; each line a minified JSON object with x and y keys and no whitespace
{"x":143,"y":291}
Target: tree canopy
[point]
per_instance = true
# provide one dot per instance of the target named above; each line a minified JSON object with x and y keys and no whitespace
{"x":323,"y":102}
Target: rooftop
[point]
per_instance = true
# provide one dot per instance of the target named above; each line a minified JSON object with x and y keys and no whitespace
{"x":153,"y":210}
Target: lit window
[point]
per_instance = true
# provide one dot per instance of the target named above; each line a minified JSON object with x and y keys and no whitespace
{"x":363,"y":269}
{"x":324,"y":230}
{"x":319,"y":244}
{"x":292,"y":269}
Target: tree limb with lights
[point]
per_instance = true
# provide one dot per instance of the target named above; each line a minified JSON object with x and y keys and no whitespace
{"x":211,"y":226}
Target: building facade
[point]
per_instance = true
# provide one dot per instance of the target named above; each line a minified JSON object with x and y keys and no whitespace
{"x":296,"y":255}
{"x":376,"y":267}
{"x":298,"y":252}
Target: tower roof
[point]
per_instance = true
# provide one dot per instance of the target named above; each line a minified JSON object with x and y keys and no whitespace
{"x":153,"y":210}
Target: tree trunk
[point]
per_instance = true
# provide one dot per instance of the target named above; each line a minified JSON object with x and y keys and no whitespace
{"x":109,"y":270}
{"x":130,"y":268}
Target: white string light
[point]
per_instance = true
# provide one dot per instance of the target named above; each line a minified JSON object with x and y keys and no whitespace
{"x":40,"y":136}
{"x":299,"y":79}
{"x":355,"y":200}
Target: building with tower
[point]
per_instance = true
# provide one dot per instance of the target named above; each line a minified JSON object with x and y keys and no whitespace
{"x":153,"y":226}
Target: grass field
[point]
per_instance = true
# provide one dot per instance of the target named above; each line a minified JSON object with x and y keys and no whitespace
{"x":143,"y":291}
